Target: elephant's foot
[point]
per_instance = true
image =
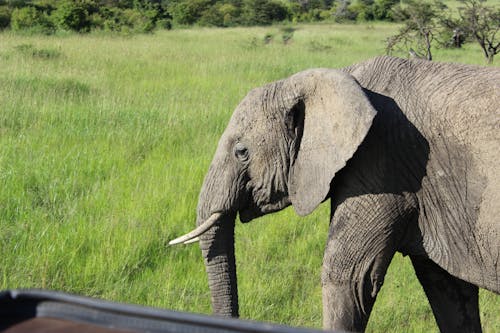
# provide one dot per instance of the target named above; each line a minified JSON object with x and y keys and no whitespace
{"x":454,"y":302}
{"x":341,"y":309}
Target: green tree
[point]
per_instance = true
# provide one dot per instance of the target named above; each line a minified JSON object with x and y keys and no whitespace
{"x":482,"y":23}
{"x":189,"y":11}
{"x":18,"y":3}
{"x":212,"y":16}
{"x":46,"y":6}
{"x":382,"y":9}
{"x":343,"y":11}
{"x":263,"y":12}
{"x":452,"y":33}
{"x":30,"y":19}
{"x":72,"y":15}
{"x":230,"y":13}
{"x":421,"y":24}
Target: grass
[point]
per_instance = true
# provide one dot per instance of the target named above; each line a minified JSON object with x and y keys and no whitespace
{"x":104,"y":143}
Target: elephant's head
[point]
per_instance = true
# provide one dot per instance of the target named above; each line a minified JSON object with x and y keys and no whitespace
{"x":282,"y":146}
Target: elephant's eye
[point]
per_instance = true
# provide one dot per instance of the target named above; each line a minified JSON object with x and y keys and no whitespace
{"x":241,"y":152}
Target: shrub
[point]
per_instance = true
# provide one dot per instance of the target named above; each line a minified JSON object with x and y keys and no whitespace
{"x":212,"y":17}
{"x":382,"y":9}
{"x":343,"y":11}
{"x":220,"y":15}
{"x":274,"y":11}
{"x":360,"y":11}
{"x":96,"y":21}
{"x":164,"y":24}
{"x":4,"y":17}
{"x":72,"y":15}
{"x":263,"y":12}
{"x":108,"y":19}
{"x":129,"y":20}
{"x":31,"y":20}
{"x":139,"y":21}
{"x":231,"y":14}
{"x":188,"y":11}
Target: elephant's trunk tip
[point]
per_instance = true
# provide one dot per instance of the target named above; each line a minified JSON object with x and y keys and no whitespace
{"x":193,"y":236}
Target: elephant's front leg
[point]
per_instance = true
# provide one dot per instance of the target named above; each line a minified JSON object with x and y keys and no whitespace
{"x":364,"y":234}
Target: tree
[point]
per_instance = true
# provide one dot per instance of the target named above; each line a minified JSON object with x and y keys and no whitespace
{"x":421,"y":23}
{"x":452,"y":34}
{"x":30,"y":19}
{"x":189,"y":11}
{"x":72,"y":15}
{"x":263,"y":12}
{"x":482,"y":23}
{"x":382,"y":9}
{"x":212,"y":16}
{"x":343,"y":11}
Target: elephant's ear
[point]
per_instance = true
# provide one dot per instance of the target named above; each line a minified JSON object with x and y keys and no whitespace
{"x":336,"y":116}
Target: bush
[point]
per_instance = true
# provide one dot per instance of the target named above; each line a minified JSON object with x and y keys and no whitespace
{"x":263,"y":12}
{"x":139,"y":21}
{"x":382,"y":9}
{"x":231,"y":14}
{"x":147,"y":15}
{"x":189,"y":11}
{"x":128,"y":20}
{"x":108,"y":19}
{"x":212,"y":17}
{"x":220,"y":15}
{"x":364,"y":10}
{"x":343,"y":11}
{"x":164,"y":23}
{"x":31,"y":20}
{"x":71,"y":15}
{"x":4,"y":17}
{"x":360,"y":11}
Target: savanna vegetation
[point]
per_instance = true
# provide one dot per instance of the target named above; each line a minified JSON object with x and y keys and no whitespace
{"x":448,"y":24}
{"x":104,"y":142}
{"x":145,"y":15}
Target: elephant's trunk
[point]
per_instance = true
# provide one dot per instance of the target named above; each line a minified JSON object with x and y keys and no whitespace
{"x":218,"y":199}
{"x":217,"y":246}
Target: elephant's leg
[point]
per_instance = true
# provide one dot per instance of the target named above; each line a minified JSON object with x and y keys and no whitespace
{"x":454,"y":302}
{"x":363,"y":237}
{"x":347,"y":304}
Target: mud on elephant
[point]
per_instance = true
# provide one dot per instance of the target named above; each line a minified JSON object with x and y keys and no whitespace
{"x":406,"y":151}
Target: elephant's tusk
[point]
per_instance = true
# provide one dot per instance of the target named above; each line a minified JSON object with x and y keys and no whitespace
{"x":200,"y":230}
{"x":194,"y":240}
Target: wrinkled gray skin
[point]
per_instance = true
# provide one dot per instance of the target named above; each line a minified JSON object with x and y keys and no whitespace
{"x":407,"y":151}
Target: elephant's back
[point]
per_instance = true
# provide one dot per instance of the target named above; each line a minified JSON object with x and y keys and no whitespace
{"x":454,"y":99}
{"x":448,"y":103}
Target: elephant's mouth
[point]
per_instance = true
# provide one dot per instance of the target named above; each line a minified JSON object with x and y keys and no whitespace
{"x":254,"y":211}
{"x":247,"y":215}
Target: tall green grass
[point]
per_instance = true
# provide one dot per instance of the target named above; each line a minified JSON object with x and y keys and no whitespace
{"x":104,"y":142}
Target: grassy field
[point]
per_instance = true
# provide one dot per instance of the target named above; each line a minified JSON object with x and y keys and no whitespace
{"x":104,"y":142}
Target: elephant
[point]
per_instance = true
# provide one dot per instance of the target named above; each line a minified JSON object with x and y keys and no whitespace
{"x":407,"y":153}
